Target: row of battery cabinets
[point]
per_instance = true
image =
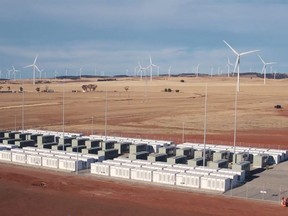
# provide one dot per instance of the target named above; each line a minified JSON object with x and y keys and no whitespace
{"x":45,"y":161}
{"x":188,"y":180}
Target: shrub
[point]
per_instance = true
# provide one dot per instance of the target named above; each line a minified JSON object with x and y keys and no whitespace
{"x":177,"y":90}
{"x":182,"y":80}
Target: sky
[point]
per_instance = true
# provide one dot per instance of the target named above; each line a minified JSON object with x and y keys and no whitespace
{"x":106,"y":37}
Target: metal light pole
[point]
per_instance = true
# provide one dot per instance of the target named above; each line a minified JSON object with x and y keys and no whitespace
{"x":63,"y":115}
{"x":15,"y":122}
{"x":235,"y":124}
{"x":77,"y":161}
{"x":23,"y":101}
{"x":183,"y":132}
{"x":92,"y":125}
{"x":205,"y":125}
{"x":106,"y":104}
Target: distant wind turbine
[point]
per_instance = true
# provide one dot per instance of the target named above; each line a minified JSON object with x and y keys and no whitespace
{"x":237,"y":63}
{"x":80,"y":72}
{"x":228,"y":66}
{"x":264,"y":67}
{"x":169,"y":71}
{"x":40,"y":73}
{"x":14,"y":71}
{"x":34,"y":66}
{"x":150,"y":66}
{"x":197,"y":70}
{"x":140,"y":70}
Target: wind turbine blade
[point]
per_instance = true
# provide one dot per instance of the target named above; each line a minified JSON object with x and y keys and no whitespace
{"x":252,"y":51}
{"x":37,"y":68}
{"x":35,"y":59}
{"x":150,"y":60}
{"x":261,"y":59}
{"x":28,"y":66}
{"x":269,"y":63}
{"x":230,"y":47}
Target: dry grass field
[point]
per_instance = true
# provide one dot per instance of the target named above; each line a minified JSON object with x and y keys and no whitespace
{"x":145,"y":110}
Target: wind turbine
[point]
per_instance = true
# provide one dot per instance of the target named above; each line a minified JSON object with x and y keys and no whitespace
{"x":40,"y":72}
{"x":14,"y":72}
{"x":80,"y":72}
{"x":151,"y":65}
{"x":197,"y":70}
{"x":140,"y":70}
{"x":237,"y":63}
{"x":169,"y":71}
{"x":34,"y":66}
{"x":55,"y":74}
{"x":264,"y":67}
{"x":228,"y":66}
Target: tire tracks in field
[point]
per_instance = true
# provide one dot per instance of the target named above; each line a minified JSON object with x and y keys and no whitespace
{"x":28,"y":105}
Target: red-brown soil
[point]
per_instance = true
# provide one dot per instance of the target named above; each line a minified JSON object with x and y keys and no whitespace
{"x":68,"y":194}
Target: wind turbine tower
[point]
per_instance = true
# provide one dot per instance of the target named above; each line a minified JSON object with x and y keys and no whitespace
{"x":237,"y":63}
{"x":264,"y":67}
